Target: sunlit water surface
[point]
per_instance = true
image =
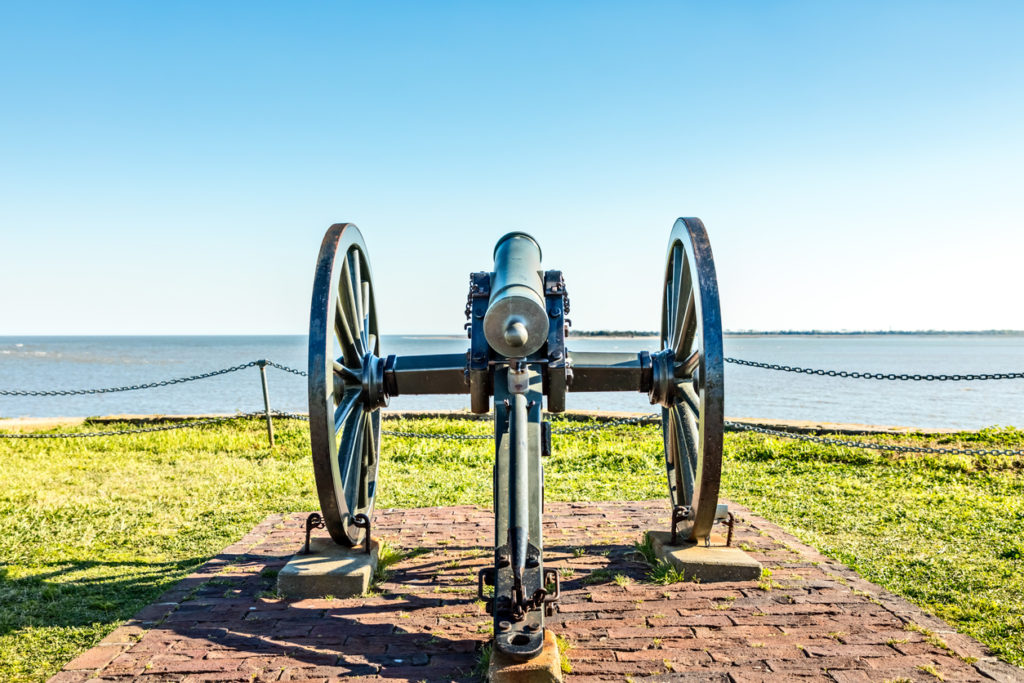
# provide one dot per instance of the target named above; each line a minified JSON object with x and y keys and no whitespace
{"x":84,"y":362}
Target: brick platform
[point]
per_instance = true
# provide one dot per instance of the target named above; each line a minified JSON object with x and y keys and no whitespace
{"x":814,"y":619}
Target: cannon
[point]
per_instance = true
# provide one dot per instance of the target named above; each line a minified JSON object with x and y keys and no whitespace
{"x":518,"y":358}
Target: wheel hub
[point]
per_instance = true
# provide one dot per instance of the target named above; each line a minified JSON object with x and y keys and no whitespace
{"x":663,"y":378}
{"x":372,"y":377}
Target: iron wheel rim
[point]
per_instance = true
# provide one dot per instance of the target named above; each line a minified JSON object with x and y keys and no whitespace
{"x":343,"y":340}
{"x":693,"y":419}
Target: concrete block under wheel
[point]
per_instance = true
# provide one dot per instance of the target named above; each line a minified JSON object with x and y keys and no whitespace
{"x":544,"y":668}
{"x":328,"y":569}
{"x":717,"y":562}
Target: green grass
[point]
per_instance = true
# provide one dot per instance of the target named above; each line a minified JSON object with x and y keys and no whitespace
{"x":661,"y":572}
{"x":91,"y":530}
{"x":944,"y":531}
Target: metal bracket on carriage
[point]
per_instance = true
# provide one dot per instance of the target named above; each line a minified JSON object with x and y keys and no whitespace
{"x":477,"y":374}
{"x":314,"y":521}
{"x":521,"y":604}
{"x":485,"y":577}
{"x":363,"y":522}
{"x":683,"y":513}
{"x":558,"y":373}
{"x":732,"y":525}
{"x":680,"y":513}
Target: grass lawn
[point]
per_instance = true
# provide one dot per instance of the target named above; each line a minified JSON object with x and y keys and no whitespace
{"x":91,"y":530}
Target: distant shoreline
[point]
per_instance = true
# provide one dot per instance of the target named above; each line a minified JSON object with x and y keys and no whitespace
{"x":606,"y":334}
{"x":810,"y":333}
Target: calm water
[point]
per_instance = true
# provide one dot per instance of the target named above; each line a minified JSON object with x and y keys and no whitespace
{"x":85,"y":362}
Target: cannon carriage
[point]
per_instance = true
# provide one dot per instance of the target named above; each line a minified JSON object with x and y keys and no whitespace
{"x":519,"y":367}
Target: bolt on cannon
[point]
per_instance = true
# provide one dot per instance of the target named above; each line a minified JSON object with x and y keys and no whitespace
{"x":518,"y":356}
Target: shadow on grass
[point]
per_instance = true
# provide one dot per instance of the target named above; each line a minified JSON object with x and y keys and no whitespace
{"x":64,"y":594}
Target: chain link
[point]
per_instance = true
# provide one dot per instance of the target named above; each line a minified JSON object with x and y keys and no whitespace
{"x":281,"y":413}
{"x":151,"y":385}
{"x":737,"y":361}
{"x":639,"y":419}
{"x":743,"y":427}
{"x":300,"y":373}
{"x":140,"y":430}
{"x":877,"y":375}
{"x":428,"y":435}
{"x":739,"y":426}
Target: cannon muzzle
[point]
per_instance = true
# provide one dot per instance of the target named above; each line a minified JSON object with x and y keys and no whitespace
{"x":516,"y":322}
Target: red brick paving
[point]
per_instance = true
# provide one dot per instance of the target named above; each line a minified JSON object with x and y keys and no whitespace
{"x":817,"y":621}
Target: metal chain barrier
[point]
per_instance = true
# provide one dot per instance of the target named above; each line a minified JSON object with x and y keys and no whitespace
{"x":737,"y":361}
{"x":877,"y":375}
{"x":300,"y":373}
{"x":739,"y":426}
{"x":640,"y":419}
{"x":151,"y":385}
{"x":743,"y":427}
{"x":636,"y":420}
{"x":428,"y":435}
{"x":140,"y":430}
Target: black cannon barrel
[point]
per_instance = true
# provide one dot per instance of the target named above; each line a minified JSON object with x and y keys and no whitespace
{"x":516,"y":322}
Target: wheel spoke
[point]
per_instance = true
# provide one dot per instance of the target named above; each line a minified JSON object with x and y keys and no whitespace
{"x":688,"y":327}
{"x":365,"y":310}
{"x":666,"y":316}
{"x":677,"y":290}
{"x":371,"y":439}
{"x":354,"y":318}
{"x":692,"y":429}
{"x":686,"y":452}
{"x":345,"y":409}
{"x":371,"y":344}
{"x":685,"y":369}
{"x":344,"y":333}
{"x":669,"y":315}
{"x":346,"y":373}
{"x":367,"y":456}
{"x":671,"y":454}
{"x":351,"y":466}
{"x":356,"y":281}
{"x":690,"y":397}
{"x":681,"y":316}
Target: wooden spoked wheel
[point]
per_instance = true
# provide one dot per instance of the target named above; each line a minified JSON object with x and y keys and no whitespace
{"x":688,"y":376}
{"x":345,"y":373}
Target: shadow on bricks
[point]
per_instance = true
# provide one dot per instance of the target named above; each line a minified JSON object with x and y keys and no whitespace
{"x":815,"y":619}
{"x":391,"y":635}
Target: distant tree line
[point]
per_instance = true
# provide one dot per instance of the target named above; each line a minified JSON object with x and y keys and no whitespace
{"x":852,"y":333}
{"x":808,"y":333}
{"x":612,"y":333}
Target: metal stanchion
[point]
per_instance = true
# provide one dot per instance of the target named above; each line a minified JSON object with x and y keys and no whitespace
{"x":266,"y":400}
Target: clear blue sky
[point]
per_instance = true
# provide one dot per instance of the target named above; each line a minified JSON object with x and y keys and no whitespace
{"x":171,"y":167}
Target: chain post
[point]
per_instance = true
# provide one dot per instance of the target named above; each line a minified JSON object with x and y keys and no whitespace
{"x":262,"y":363}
